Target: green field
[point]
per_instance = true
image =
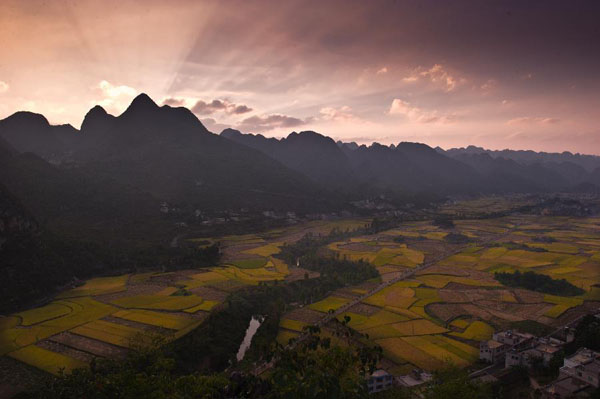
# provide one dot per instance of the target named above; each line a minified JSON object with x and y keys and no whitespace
{"x":111,"y":333}
{"x":329,"y":303}
{"x":38,"y":315}
{"x":46,"y":360}
{"x":477,"y":330}
{"x":158,"y":302}
{"x":98,"y":286}
{"x":164,"y":320}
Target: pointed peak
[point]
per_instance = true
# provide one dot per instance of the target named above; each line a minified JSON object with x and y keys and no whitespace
{"x":96,"y":110}
{"x":143,"y":100}
{"x":95,"y":117}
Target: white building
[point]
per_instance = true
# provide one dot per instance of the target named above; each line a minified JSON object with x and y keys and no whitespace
{"x":379,"y":381}
{"x":495,"y":349}
{"x":584,"y":365}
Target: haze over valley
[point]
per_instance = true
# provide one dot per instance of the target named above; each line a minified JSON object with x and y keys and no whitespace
{"x":264,"y":199}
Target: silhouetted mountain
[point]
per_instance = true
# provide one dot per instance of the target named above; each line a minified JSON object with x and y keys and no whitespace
{"x":588,"y":162}
{"x":539,"y":171}
{"x":411,"y":167}
{"x":30,"y":132}
{"x":72,"y":200}
{"x":309,"y":153}
{"x":168,"y":153}
{"x":150,"y":154}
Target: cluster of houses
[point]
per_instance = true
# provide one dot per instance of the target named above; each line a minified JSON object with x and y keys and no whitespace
{"x":381,"y":380}
{"x":579,"y":374}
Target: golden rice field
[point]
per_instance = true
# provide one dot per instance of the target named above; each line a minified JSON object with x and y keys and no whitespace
{"x":46,"y":360}
{"x":329,"y":303}
{"x":438,"y":315}
{"x":410,"y":333}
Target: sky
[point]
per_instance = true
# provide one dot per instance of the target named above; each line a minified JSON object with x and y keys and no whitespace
{"x":498,"y":74}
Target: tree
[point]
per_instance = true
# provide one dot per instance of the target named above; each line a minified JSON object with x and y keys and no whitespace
{"x":453,"y":382}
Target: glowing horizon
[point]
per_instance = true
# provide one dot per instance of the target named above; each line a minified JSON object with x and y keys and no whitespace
{"x":518,"y":76}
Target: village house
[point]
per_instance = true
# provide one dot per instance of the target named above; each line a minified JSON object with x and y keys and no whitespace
{"x":579,"y":374}
{"x":495,"y":349}
{"x":379,"y":381}
{"x":583,"y":365}
{"x":543,"y":351}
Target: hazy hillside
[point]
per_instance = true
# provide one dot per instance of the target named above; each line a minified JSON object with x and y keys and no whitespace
{"x":124,"y":167}
{"x":587,"y":162}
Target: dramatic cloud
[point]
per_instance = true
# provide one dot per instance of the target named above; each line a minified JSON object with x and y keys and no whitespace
{"x":437,"y":75}
{"x":115,"y":98}
{"x":3,"y":87}
{"x":214,"y":126}
{"x":209,"y":108}
{"x":458,"y":58}
{"x":265,"y":123}
{"x":529,"y":120}
{"x":416,"y":114}
{"x":342,"y":114}
{"x":240,"y":109}
{"x":174,"y":102}
{"x":111,"y":91}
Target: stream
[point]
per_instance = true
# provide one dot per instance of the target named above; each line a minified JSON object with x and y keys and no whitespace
{"x":252,"y":327}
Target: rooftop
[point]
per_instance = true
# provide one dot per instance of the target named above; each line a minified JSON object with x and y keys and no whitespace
{"x":584,"y":355}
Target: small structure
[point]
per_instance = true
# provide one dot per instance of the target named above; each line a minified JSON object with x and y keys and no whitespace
{"x":495,"y":349}
{"x":490,"y":351}
{"x":566,"y":387}
{"x":579,"y":374}
{"x":542,"y":351}
{"x":583,"y":365}
{"x":513,"y":338}
{"x":379,"y":381}
{"x":416,"y":377}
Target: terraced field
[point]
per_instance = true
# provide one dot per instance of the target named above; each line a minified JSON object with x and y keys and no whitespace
{"x":446,"y":309}
{"x":440,"y":313}
{"x":105,"y":316}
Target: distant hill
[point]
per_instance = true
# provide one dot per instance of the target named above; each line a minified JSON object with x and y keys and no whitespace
{"x":310,"y":153}
{"x":587,"y":162}
{"x":414,"y":167}
{"x":123,"y":167}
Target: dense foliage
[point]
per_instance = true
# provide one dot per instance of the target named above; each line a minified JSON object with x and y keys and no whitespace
{"x":587,"y":335}
{"x":539,"y":282}
{"x":314,"y":369}
{"x":35,"y":266}
{"x":213,"y":345}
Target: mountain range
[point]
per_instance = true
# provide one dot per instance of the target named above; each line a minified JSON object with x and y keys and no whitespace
{"x":84,"y":201}
{"x":117,"y":170}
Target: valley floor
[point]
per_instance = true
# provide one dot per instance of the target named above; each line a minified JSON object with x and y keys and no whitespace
{"x":439,"y":313}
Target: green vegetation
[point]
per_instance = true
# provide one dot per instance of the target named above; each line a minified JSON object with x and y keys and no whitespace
{"x":98,"y":286}
{"x":531,"y":327}
{"x":477,"y":330}
{"x":158,"y":302}
{"x":51,"y":362}
{"x":254,"y":263}
{"x":329,"y":303}
{"x":539,"y":282}
{"x":164,"y":320}
{"x":112,"y":333}
{"x":38,"y":315}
